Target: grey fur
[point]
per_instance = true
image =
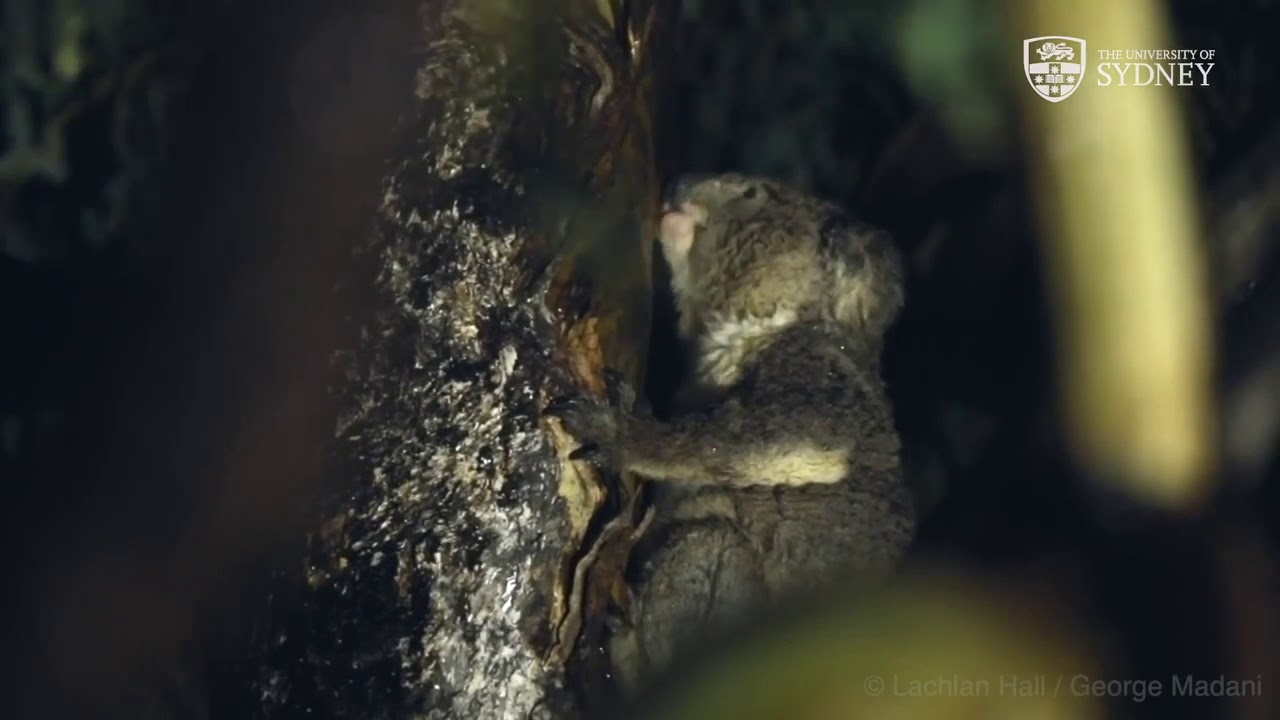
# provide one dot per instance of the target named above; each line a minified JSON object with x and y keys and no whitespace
{"x":782,"y":469}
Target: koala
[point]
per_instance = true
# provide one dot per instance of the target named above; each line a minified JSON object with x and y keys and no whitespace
{"x":780,"y":467}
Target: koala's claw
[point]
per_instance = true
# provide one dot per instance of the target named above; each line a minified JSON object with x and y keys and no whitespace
{"x":588,"y":452}
{"x":560,"y":407}
{"x":621,"y":394}
{"x":579,"y":414}
{"x":593,"y":423}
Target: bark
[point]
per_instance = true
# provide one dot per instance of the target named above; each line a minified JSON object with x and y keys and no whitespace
{"x":467,"y":562}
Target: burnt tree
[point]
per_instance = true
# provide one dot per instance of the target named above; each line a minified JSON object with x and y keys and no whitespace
{"x":464,"y":568}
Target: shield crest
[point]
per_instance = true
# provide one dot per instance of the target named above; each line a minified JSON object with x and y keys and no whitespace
{"x":1054,"y":65}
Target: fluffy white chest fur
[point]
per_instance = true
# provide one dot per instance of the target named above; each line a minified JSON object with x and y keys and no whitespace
{"x":727,"y":342}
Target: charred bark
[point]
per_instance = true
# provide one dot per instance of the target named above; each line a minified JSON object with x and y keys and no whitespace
{"x":466,"y":561}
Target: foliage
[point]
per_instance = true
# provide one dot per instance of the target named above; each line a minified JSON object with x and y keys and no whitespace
{"x":768,"y":87}
{"x":85,"y":97}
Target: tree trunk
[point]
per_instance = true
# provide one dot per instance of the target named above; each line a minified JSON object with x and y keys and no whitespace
{"x":467,"y":561}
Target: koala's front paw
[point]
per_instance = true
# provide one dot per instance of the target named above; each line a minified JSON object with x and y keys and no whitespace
{"x":594,"y":423}
{"x":600,"y":424}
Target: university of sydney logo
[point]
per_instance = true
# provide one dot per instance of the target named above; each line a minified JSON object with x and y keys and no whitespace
{"x":1054,"y":65}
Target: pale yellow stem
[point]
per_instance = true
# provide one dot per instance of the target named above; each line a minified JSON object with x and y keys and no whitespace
{"x":1124,"y":259}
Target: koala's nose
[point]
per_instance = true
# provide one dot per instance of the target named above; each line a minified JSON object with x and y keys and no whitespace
{"x":678,"y":190}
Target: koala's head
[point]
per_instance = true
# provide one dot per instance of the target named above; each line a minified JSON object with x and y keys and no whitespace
{"x":751,"y":249}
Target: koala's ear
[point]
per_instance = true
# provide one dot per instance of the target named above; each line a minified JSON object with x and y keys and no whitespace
{"x":837,"y":232}
{"x":830,"y":231}
{"x":871,"y":288}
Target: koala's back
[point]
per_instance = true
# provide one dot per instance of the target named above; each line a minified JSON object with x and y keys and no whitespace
{"x":799,"y":535}
{"x":726,"y":553}
{"x":718,"y":551}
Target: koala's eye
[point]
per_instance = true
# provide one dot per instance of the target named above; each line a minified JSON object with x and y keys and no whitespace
{"x":750,"y":193}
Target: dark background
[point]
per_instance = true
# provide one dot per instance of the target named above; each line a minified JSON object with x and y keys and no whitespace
{"x":163,"y":365}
